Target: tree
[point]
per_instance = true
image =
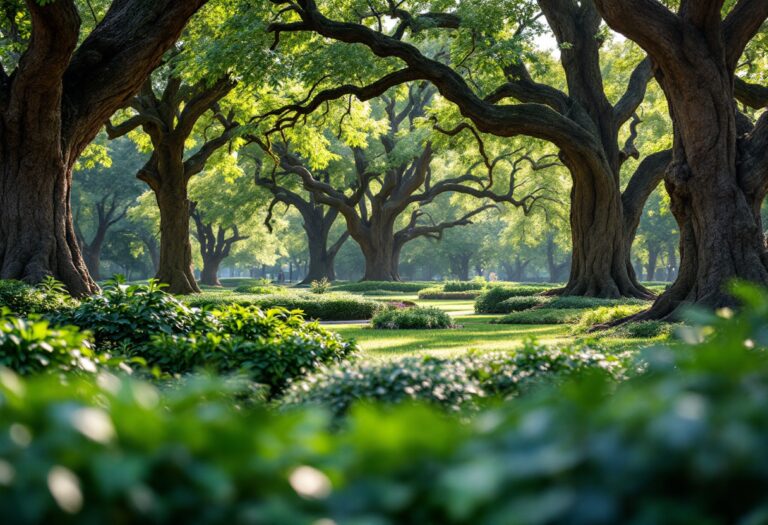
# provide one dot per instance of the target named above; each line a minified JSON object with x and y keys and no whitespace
{"x":719,"y":172}
{"x":394,"y":174}
{"x":582,"y":123}
{"x":55,"y":94}
{"x":170,"y":120}
{"x":215,"y":245}
{"x":103,"y":188}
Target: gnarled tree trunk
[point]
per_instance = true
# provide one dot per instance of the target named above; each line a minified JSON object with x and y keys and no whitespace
{"x":175,"y":265}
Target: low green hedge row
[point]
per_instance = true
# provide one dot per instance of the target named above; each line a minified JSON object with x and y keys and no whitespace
{"x":437,"y":292}
{"x":684,"y":442}
{"x":23,"y":299}
{"x":389,"y":286}
{"x":452,"y":384}
{"x":411,"y":318}
{"x":323,"y":307}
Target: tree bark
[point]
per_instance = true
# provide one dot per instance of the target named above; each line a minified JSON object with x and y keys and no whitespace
{"x":175,"y":267}
{"x":209,"y":275}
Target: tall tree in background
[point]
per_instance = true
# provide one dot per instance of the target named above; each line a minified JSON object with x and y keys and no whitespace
{"x":170,"y":118}
{"x":718,"y":177}
{"x":317,"y":221}
{"x":56,"y":92}
{"x":582,"y":123}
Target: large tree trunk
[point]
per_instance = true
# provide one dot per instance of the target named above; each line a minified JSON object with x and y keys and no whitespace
{"x":209,"y":275}
{"x":650,"y":269}
{"x":321,"y":256}
{"x":175,"y":265}
{"x":92,"y":257}
{"x":600,"y":265}
{"x":379,"y":262}
{"x":37,"y":236}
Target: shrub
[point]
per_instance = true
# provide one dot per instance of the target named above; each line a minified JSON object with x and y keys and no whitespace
{"x":452,"y":384}
{"x":258,"y":289}
{"x":520,"y":303}
{"x":644,"y":329}
{"x":541,"y":316}
{"x":390,"y":286}
{"x":606,"y":314}
{"x":463,"y":286}
{"x":271,"y":347}
{"x":320,"y":287}
{"x":410,"y":318}
{"x":489,"y":302}
{"x":125,"y":315}
{"x":437,"y":293}
{"x":325,"y":307}
{"x":23,"y":299}
{"x":377,"y":293}
{"x":31,"y":346}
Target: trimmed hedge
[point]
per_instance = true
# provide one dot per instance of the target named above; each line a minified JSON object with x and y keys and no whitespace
{"x":519,"y":303}
{"x":437,"y":293}
{"x":412,"y":318}
{"x":323,"y":307}
{"x":464,"y":286}
{"x":390,"y":286}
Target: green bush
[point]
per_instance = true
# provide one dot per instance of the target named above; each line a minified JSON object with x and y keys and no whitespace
{"x":452,"y":384}
{"x":437,"y":293}
{"x":320,"y":287}
{"x":378,"y":293}
{"x":325,"y":307}
{"x":31,"y":346}
{"x":606,"y":314}
{"x":23,"y":299}
{"x":271,"y":347}
{"x":490,"y":301}
{"x":390,"y":286}
{"x":258,"y":289}
{"x":464,"y":286}
{"x":520,"y":303}
{"x":125,"y":315}
{"x":541,"y":316}
{"x":647,"y":329}
{"x":411,"y":318}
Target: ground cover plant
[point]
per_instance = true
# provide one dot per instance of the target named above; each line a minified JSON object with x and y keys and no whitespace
{"x":411,"y":318}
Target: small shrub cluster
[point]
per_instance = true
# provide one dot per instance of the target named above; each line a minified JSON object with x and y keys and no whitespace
{"x":452,"y":384}
{"x":490,"y":301}
{"x":23,"y":299}
{"x":320,"y":287}
{"x":389,"y":286}
{"x":270,"y":347}
{"x":606,"y":314}
{"x":522,"y":302}
{"x":570,"y":302}
{"x":412,"y":318}
{"x":32,"y":346}
{"x":125,"y":315}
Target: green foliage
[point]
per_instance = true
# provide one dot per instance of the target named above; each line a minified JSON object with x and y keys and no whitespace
{"x":587,"y":451}
{"x":463,"y":286}
{"x":490,"y":301}
{"x":606,"y":314}
{"x":31,"y":346}
{"x":23,"y":299}
{"x":257,"y":289}
{"x":522,"y":302}
{"x":271,"y":347}
{"x":437,"y":292}
{"x":325,"y":307}
{"x":566,"y":302}
{"x":452,"y":384}
{"x":390,"y":286}
{"x":541,"y":316}
{"x":645,"y":329}
{"x":320,"y":287}
{"x":124,"y":315}
{"x":412,"y":318}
